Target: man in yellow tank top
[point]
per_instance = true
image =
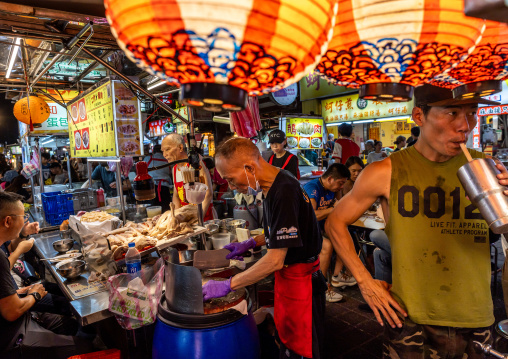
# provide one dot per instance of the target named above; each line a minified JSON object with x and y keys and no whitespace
{"x":440,"y":298}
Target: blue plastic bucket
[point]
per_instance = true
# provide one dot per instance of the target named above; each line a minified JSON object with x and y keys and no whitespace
{"x":226,"y":335}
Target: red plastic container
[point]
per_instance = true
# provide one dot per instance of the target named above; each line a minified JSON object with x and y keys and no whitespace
{"x":104,"y":354}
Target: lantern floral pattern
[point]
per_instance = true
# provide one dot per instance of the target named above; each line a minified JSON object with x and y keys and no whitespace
{"x":257,"y":45}
{"x":488,"y":61}
{"x":407,"y":42}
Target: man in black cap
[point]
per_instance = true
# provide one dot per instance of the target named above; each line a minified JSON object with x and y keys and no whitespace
{"x":441,"y":270}
{"x":282,"y":158}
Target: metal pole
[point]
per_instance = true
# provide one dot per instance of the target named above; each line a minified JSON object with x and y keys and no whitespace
{"x":135,"y":85}
{"x":89,"y":172}
{"x":119,"y":188}
{"x":57,"y":57}
{"x":67,"y":48}
{"x":41,"y":175}
{"x":69,"y":170}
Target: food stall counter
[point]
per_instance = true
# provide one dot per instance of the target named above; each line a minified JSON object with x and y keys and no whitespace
{"x":89,"y":302}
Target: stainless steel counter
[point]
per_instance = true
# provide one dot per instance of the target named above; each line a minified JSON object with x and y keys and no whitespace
{"x":91,"y":307}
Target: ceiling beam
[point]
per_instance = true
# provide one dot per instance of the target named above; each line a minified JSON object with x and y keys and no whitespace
{"x":19,"y":26}
{"x":24,"y":10}
{"x":92,"y":66}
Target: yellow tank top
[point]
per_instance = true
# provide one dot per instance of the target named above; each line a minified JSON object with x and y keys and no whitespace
{"x":440,"y":246}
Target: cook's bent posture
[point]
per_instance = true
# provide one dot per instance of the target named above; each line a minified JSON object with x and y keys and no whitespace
{"x":294,"y":241}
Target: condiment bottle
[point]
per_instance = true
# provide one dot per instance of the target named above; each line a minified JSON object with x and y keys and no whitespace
{"x":100,"y":198}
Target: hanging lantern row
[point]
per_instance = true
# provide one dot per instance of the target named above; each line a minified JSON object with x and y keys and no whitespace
{"x":386,"y":48}
{"x":32,"y":111}
{"x":222,"y":51}
{"x":480,"y":74}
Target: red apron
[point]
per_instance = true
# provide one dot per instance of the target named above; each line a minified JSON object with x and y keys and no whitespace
{"x":159,"y":181}
{"x":286,"y":163}
{"x":179,"y":187}
{"x":293,"y":306}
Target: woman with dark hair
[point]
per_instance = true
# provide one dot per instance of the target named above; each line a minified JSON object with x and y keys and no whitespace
{"x":16,"y":186}
{"x":355,"y":165}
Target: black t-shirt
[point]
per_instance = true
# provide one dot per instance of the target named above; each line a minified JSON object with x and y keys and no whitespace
{"x":292,"y":165}
{"x":290,"y":221}
{"x":7,"y":329}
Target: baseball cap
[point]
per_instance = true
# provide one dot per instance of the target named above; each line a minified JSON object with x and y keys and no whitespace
{"x":10,"y":175}
{"x":438,"y":96}
{"x":276,"y":136}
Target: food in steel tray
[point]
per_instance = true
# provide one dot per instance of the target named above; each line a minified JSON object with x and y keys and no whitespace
{"x":146,"y":235}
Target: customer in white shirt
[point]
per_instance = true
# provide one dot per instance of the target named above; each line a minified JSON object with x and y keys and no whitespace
{"x":377,"y":154}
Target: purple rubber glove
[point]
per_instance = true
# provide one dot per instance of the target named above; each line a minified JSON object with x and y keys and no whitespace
{"x":239,"y":248}
{"x":216,"y":289}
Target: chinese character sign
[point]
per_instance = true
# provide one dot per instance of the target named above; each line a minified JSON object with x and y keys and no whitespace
{"x":56,"y":123}
{"x":304,"y":133}
{"x":91,"y":127}
{"x":314,"y":86}
{"x":493,"y":110}
{"x":352,"y":108}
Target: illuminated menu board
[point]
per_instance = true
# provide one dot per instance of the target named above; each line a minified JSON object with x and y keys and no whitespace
{"x":304,"y":133}
{"x":105,"y":122}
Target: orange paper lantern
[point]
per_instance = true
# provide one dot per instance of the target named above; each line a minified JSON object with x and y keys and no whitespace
{"x":386,"y":48}
{"x":481,"y":73}
{"x":221,"y":51}
{"x":31,"y":110}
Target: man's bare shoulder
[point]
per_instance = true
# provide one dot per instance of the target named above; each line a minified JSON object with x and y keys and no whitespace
{"x":375,"y":178}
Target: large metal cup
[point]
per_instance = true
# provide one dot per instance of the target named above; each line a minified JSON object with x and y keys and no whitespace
{"x":478,"y":178}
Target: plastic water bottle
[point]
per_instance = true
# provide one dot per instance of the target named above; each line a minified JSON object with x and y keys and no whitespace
{"x":133,"y":259}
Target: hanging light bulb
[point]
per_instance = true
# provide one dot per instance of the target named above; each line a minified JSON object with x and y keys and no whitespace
{"x":222,"y":51}
{"x":386,"y":48}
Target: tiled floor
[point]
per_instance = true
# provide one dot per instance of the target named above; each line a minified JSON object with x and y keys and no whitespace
{"x":352,"y":333}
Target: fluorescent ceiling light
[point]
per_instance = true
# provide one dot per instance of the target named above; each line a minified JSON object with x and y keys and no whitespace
{"x":362,"y":121}
{"x":393,"y":118}
{"x":14,"y":54}
{"x":156,"y":85}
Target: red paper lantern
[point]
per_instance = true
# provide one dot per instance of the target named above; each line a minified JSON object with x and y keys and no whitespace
{"x":481,"y":73}
{"x":386,"y":48}
{"x":222,"y":51}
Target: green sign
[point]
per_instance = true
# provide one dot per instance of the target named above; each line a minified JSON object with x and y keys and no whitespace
{"x":314,"y":86}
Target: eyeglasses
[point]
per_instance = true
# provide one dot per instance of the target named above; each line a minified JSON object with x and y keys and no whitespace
{"x":25,"y":216}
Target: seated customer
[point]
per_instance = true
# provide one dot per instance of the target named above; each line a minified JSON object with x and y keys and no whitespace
{"x":322,"y":192}
{"x":58,"y":175}
{"x":16,"y":186}
{"x":24,"y":334}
